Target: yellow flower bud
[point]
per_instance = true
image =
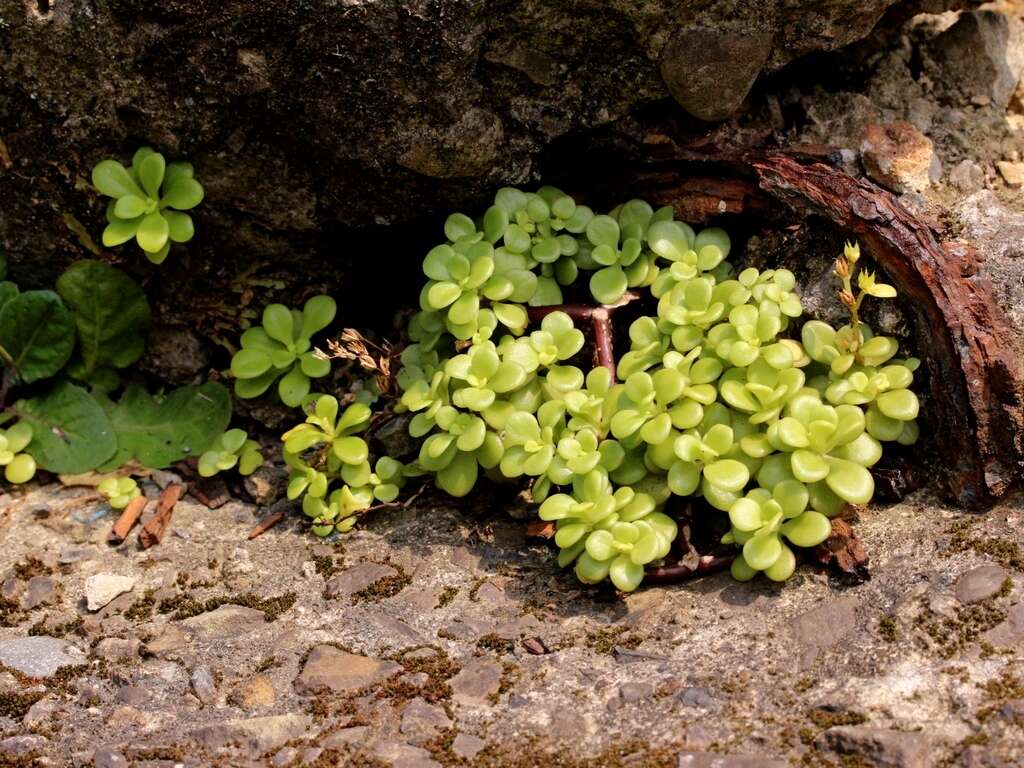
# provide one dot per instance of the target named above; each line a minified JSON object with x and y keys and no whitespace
{"x":852,"y":252}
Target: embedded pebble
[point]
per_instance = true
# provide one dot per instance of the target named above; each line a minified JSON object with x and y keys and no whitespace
{"x":101,"y":588}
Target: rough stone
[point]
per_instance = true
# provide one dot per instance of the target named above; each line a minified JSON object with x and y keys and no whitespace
{"x":254,"y":694}
{"x":357,"y":578}
{"x":1012,"y":173}
{"x":713,"y":84}
{"x":114,"y":648}
{"x":38,"y":656}
{"x":979,"y":58}
{"x":101,"y":588}
{"x":898,"y":156}
{"x":175,"y":354}
{"x":341,"y":738}
{"x":469,"y":100}
{"x":421,"y":719}
{"x":716,"y":760}
{"x":694,"y":696}
{"x":73,"y":555}
{"x":167,"y":642}
{"x":330,"y":668}
{"x":1010,"y":631}
{"x":15,"y":746}
{"x":967,"y":176}
{"x":109,"y":757}
{"x":467,"y":746}
{"x":879,"y":746}
{"x":819,"y":629}
{"x":476,"y":681}
{"x":267,"y":484}
{"x":399,"y":755}
{"x":226,"y":621}
{"x":979,"y":584}
{"x":40,"y":590}
{"x":203,"y":685}
{"x":258,"y":734}
{"x":629,"y":692}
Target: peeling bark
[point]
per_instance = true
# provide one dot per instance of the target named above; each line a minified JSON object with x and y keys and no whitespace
{"x":967,"y":346}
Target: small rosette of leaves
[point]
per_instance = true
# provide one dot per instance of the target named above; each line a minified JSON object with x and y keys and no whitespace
{"x":232,"y":449}
{"x":281,"y":350}
{"x":762,"y":522}
{"x":148,"y":202}
{"x":608,"y":533}
{"x":119,"y":491}
{"x":19,"y":467}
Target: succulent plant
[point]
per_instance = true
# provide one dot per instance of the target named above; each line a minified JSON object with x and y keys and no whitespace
{"x":722,"y":394}
{"x":148,"y":202}
{"x":119,"y":491}
{"x":18,"y":467}
{"x":281,"y":348}
{"x":231,"y":449}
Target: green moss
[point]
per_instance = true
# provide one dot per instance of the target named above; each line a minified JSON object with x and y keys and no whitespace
{"x":29,"y":567}
{"x":142,"y":609}
{"x":888,"y":629}
{"x":75,"y":626}
{"x":1004,"y":551}
{"x":185,"y":607}
{"x":14,"y":704}
{"x":510,"y":675}
{"x":446,"y":596}
{"x":325,"y":565}
{"x":950,"y":636}
{"x":382,"y":589}
{"x":493,"y":642}
{"x":606,"y":640}
{"x":827,"y":718}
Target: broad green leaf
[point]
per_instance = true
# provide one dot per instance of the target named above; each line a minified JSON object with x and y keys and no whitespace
{"x":110,"y":313}
{"x":180,"y":228}
{"x":158,"y":431}
{"x":70,"y":431}
{"x":37,"y":334}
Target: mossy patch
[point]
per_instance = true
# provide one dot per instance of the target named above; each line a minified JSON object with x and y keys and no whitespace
{"x":382,"y":589}
{"x":185,"y":607}
{"x":1004,"y":551}
{"x":446,"y":596}
{"x":949,"y":636}
{"x":888,"y":629}
{"x":606,"y":640}
{"x":495,"y":643}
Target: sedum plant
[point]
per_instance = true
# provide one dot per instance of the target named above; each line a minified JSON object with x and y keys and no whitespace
{"x":19,"y":467}
{"x":721,"y":394}
{"x":148,"y":202}
{"x":119,"y":491}
{"x":231,"y":449}
{"x":281,"y":350}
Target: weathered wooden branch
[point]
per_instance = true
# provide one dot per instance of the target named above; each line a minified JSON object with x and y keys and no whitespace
{"x":974,"y":373}
{"x":153,"y":531}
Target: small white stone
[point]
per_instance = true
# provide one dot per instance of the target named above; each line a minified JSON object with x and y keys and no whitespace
{"x":101,"y":588}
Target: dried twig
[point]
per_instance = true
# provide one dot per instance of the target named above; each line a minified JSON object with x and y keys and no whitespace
{"x":153,"y":531}
{"x":267,"y":523}
{"x":129,"y":517}
{"x":372,"y":357}
{"x":668,"y":574}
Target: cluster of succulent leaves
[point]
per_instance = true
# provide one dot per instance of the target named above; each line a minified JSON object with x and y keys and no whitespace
{"x":281,"y":350}
{"x":721,"y":394}
{"x":119,"y":491}
{"x":231,"y":450}
{"x":148,"y":202}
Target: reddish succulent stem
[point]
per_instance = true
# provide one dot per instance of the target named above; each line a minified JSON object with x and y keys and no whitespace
{"x":668,"y":574}
{"x":601,"y":320}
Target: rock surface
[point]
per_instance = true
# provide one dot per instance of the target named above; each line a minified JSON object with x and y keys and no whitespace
{"x":304,"y":120}
{"x":39,"y":656}
{"x":101,"y":588}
